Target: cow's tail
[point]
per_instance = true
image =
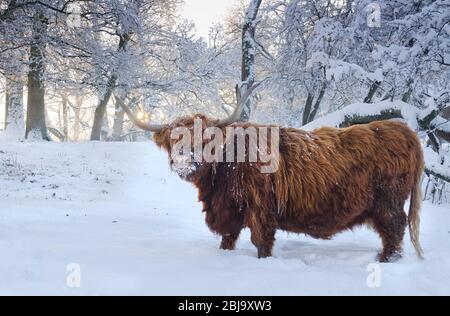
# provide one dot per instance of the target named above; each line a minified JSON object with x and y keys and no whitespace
{"x":414,"y":216}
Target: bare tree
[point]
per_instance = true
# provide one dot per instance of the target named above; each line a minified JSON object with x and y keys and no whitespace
{"x":248,"y":54}
{"x":100,"y":110}
{"x":118,"y":119}
{"x":14,"y":119}
{"x":35,"y":122}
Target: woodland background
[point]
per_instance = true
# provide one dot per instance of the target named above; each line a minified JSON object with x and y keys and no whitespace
{"x":66,"y":64}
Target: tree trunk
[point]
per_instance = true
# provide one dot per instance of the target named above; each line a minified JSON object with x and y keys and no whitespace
{"x":310,"y":111}
{"x":65,"y":112}
{"x":409,"y":89}
{"x":118,"y":120}
{"x":35,"y":123}
{"x":373,"y":89}
{"x":317,"y":104}
{"x":14,"y":120}
{"x":407,"y":95}
{"x":248,"y":54}
{"x":77,"y":118}
{"x":354,"y":119}
{"x":437,"y":175}
{"x":100,"y":110}
{"x":7,"y":101}
{"x":307,"y":110}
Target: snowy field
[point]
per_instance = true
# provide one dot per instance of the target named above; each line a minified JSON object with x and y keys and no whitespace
{"x":116,"y":212}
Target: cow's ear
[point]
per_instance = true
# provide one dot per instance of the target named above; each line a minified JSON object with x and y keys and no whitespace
{"x":162,"y":138}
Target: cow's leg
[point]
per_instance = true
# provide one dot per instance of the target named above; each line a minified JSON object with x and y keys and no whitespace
{"x":227,"y":223}
{"x":229,"y":241}
{"x":263,"y":241}
{"x":262,"y":234}
{"x":390,"y":222}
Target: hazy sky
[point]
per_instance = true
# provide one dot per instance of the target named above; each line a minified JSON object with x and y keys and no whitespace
{"x":205,"y":12}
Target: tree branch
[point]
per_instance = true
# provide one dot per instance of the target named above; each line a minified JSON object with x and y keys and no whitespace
{"x":429,"y":172}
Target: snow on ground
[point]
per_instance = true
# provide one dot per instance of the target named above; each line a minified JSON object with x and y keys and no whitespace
{"x":132,"y":227}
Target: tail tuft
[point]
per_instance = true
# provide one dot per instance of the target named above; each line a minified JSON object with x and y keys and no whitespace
{"x":414,"y":218}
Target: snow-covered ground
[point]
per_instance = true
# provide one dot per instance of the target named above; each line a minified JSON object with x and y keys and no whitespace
{"x":116,"y":214}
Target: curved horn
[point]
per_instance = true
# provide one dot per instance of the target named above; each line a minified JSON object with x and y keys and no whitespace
{"x":142,"y":125}
{"x":240,"y":106}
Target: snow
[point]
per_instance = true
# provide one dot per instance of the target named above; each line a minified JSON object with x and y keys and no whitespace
{"x":334,"y":119}
{"x":443,"y":124}
{"x":434,"y":162}
{"x":132,"y":227}
{"x":337,"y":68}
{"x":14,"y":132}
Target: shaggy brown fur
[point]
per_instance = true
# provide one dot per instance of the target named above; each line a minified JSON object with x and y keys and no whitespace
{"x":328,"y":180}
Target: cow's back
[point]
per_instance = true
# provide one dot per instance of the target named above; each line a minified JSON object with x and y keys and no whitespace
{"x":334,"y":175}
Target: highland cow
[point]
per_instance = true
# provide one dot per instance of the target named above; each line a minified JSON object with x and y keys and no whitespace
{"x":328,"y":180}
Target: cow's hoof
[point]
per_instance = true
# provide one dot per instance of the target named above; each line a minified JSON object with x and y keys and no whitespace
{"x":226,"y":247}
{"x":228,"y":243}
{"x":389,"y":257}
{"x":263,"y":253}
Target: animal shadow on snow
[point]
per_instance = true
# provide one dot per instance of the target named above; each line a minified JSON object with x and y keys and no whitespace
{"x":315,"y":253}
{"x":311,"y":252}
